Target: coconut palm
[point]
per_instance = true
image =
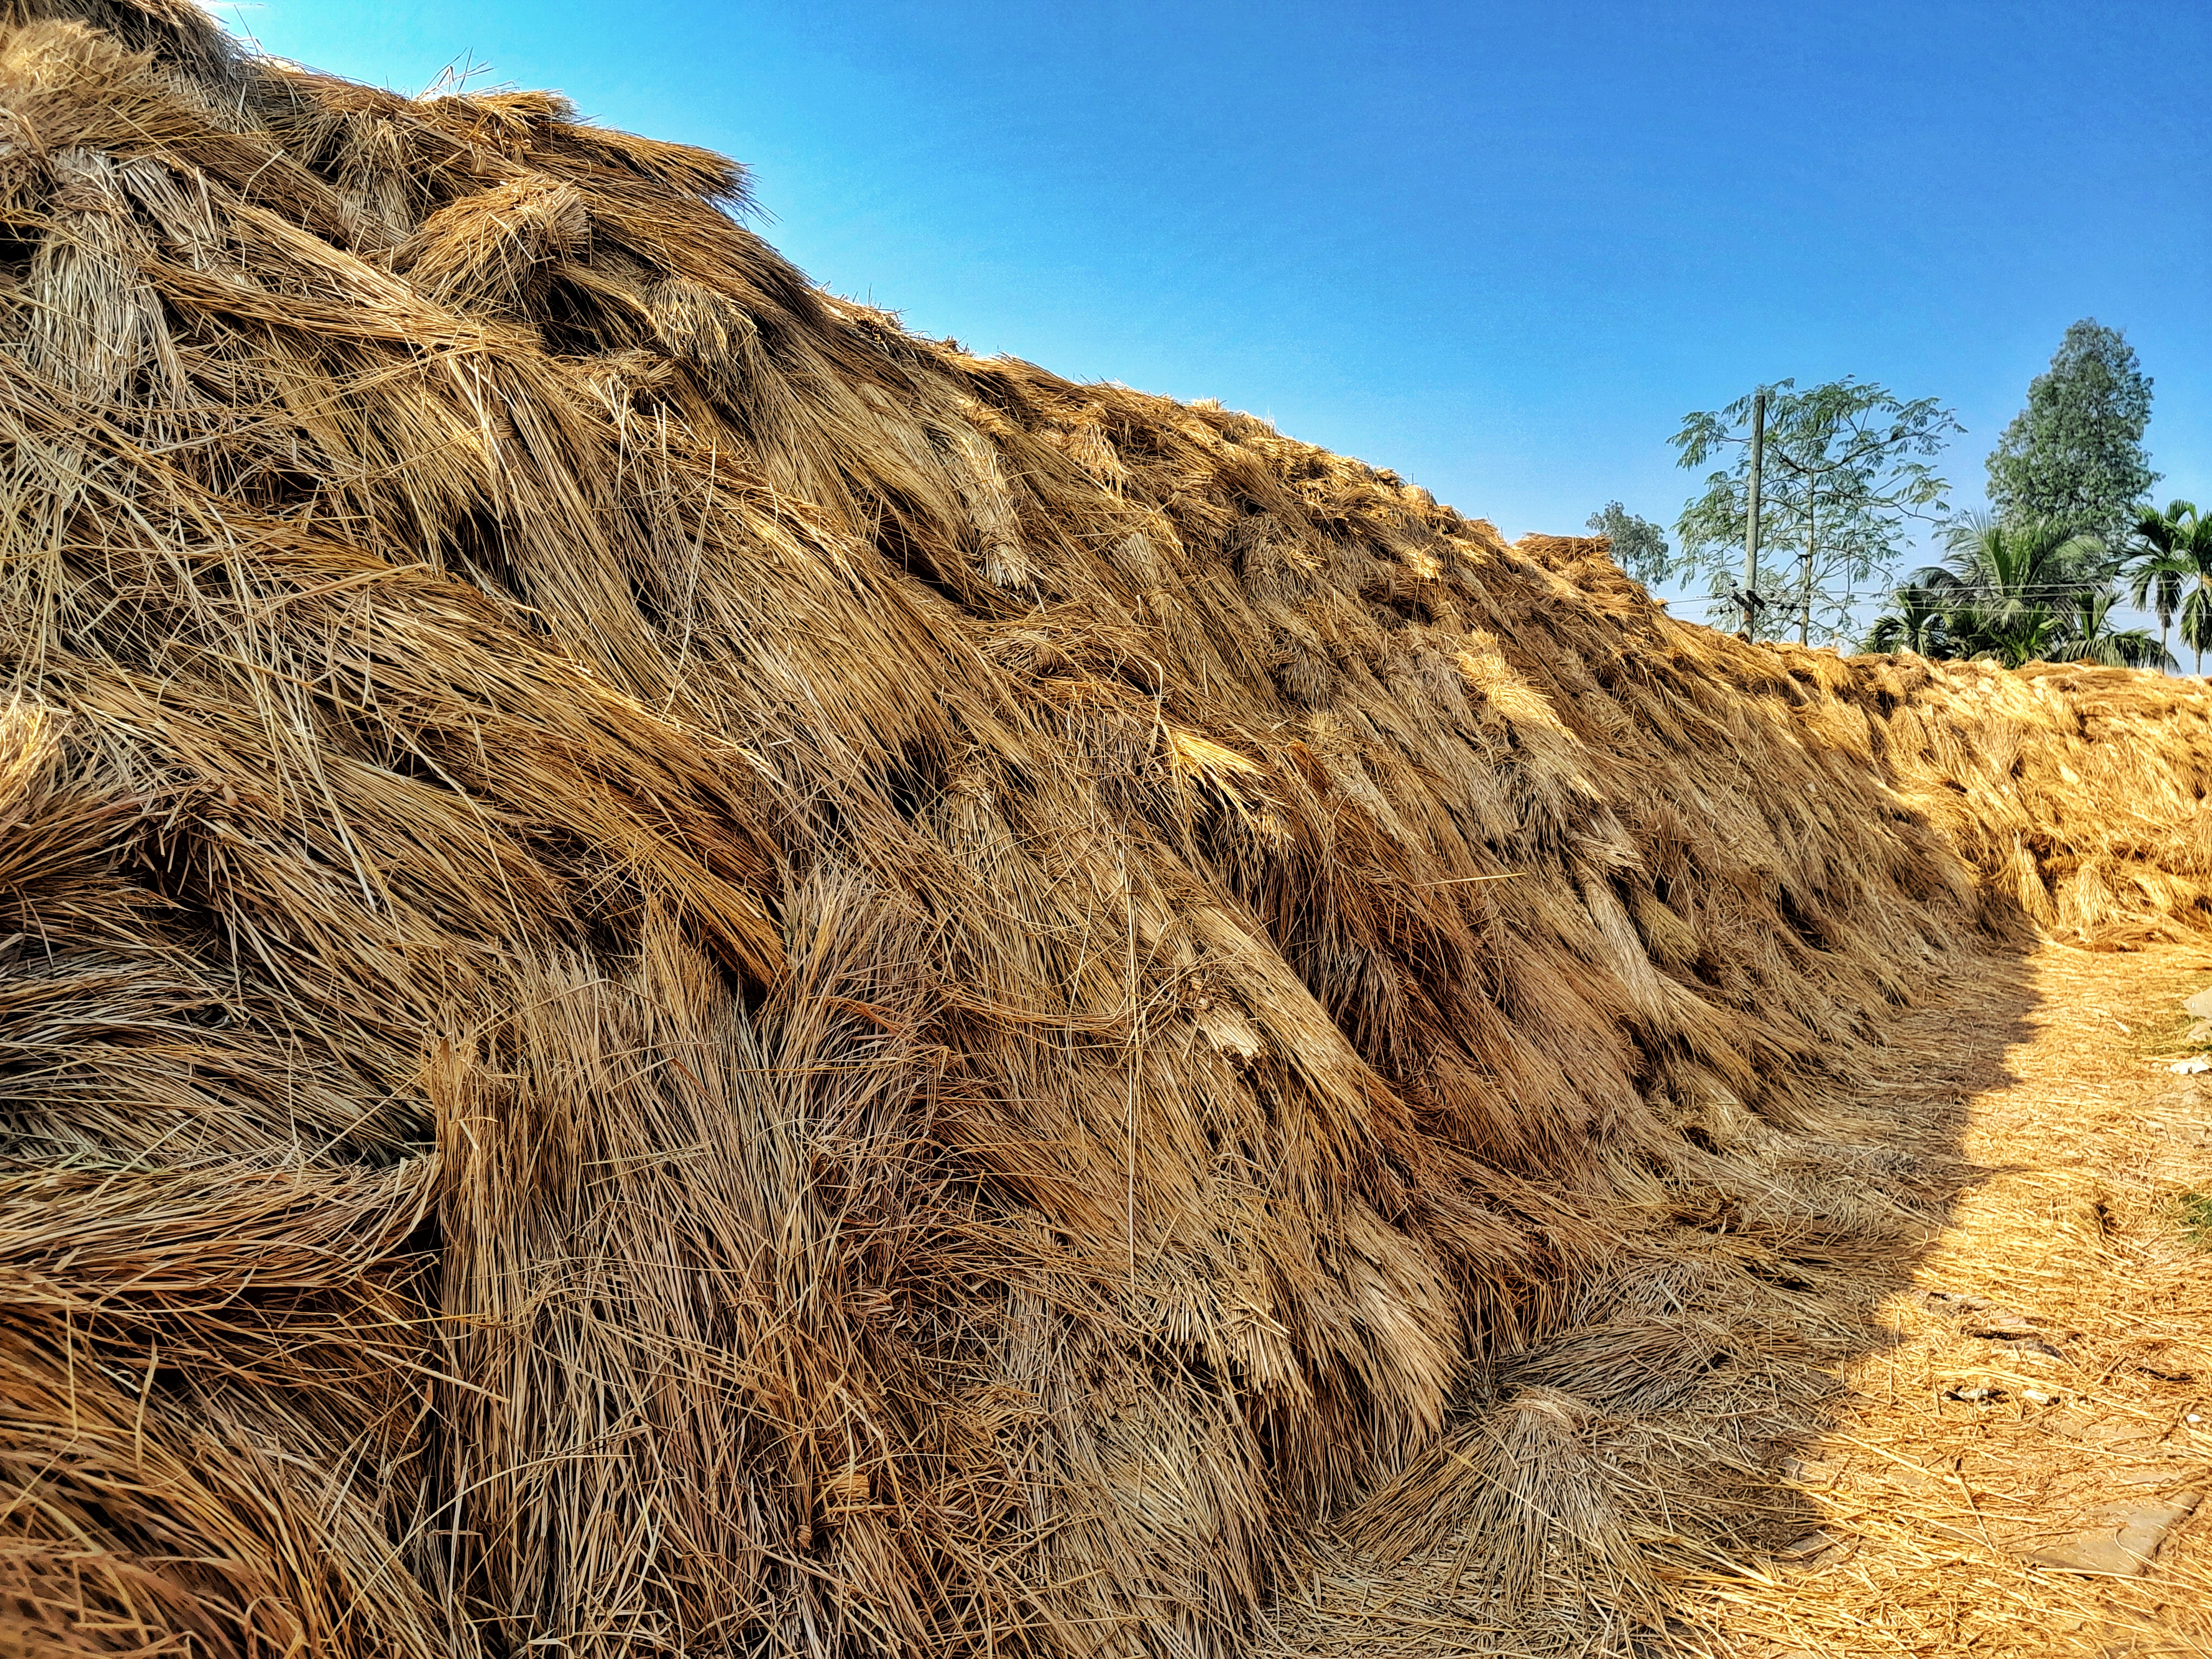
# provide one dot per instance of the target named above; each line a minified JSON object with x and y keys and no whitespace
{"x":2013,"y":591}
{"x":1918,"y":625}
{"x":2091,"y":636}
{"x":2010,"y":634}
{"x":2016,"y":592}
{"x":2173,"y":573}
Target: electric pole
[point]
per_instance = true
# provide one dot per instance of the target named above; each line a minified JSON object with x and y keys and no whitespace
{"x":1751,"y":516}
{"x":1812,"y":547}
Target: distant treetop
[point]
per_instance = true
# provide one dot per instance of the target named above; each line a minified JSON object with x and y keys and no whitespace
{"x":1639,"y":546}
{"x":2074,"y":458}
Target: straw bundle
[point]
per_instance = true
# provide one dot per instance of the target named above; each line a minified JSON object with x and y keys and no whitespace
{"x":2076,"y":790}
{"x":686,"y":973}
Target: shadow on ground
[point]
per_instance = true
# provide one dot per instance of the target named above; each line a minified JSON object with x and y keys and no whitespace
{"x":1662,"y":1435}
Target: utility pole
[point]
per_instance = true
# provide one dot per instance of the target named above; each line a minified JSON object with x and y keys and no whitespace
{"x":1805,"y":613}
{"x":1751,"y":605}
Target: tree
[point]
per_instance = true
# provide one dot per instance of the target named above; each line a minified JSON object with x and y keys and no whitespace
{"x":2007,"y":588}
{"x":1639,"y":546}
{"x":2173,"y":573}
{"x":2075,"y":455}
{"x":2091,"y":636}
{"x":1918,"y":625}
{"x":2013,"y":593}
{"x":1846,"y":467}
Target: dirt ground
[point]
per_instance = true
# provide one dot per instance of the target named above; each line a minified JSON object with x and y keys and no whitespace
{"x":1926,"y":1372}
{"x":2016,"y":1463}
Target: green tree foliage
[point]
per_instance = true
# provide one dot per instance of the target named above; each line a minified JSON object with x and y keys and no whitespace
{"x":2172,"y":573}
{"x":2075,"y":455}
{"x":1639,"y":546}
{"x":2016,"y":592}
{"x":1915,"y":624}
{"x":1846,"y":470}
{"x":2092,"y":637}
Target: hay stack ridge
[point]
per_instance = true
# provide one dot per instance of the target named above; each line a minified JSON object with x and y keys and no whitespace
{"x":686,"y":973}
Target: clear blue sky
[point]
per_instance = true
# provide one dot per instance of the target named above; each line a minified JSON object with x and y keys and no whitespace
{"x":1501,"y":248}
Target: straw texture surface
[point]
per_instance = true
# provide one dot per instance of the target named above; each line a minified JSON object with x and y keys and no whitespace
{"x":682,"y":974}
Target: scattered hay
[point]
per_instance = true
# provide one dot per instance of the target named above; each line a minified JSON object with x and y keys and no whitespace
{"x":686,"y":973}
{"x":2016,"y":1469}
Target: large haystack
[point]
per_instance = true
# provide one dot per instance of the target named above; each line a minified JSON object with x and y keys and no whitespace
{"x":685,"y":974}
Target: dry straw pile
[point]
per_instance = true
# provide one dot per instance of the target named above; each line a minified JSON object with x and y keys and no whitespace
{"x":682,"y":974}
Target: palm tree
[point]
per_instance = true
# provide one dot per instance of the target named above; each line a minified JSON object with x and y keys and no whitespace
{"x":2026,"y":590}
{"x":2158,"y":568}
{"x":1918,"y":626}
{"x":2173,"y":573}
{"x":2012,"y":590}
{"x":2091,"y":636}
{"x":2009,"y":634}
